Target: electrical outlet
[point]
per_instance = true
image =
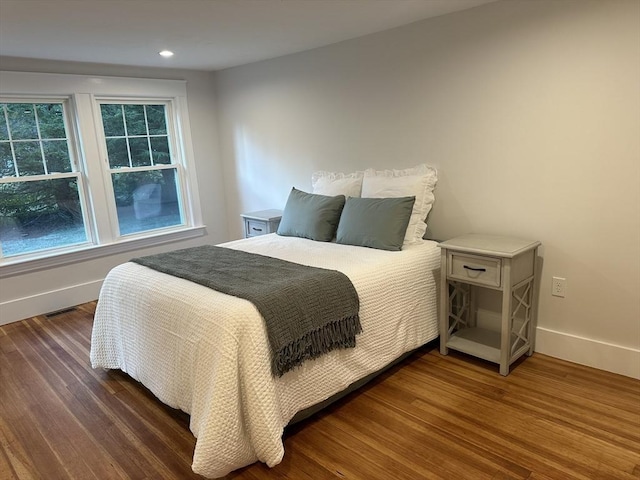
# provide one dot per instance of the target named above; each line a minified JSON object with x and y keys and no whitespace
{"x":558,"y":286}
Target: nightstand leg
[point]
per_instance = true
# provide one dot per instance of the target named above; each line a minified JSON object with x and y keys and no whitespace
{"x":505,"y":331}
{"x":444,"y":305}
{"x":533,"y":323}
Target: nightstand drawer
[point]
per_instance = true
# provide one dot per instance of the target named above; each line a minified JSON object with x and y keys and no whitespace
{"x":475,"y":269}
{"x":256,"y":227}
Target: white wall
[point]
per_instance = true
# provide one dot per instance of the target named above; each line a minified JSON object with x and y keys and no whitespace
{"x":25,"y":295}
{"x":529,"y":109}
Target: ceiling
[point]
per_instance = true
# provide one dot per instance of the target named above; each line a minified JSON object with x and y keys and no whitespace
{"x":204,"y":34}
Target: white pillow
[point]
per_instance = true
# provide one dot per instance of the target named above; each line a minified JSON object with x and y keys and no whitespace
{"x":335,"y":183}
{"x":416,"y":182}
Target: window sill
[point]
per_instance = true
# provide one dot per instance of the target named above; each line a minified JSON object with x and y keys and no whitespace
{"x":11,"y":267}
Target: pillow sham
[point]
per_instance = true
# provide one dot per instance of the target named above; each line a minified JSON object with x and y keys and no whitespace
{"x":419,"y":182}
{"x":375,"y":222}
{"x":336,"y":183}
{"x":312,"y":216}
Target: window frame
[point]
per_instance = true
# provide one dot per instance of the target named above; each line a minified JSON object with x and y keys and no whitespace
{"x":178,"y":162}
{"x":76,"y":171}
{"x":86,"y":138}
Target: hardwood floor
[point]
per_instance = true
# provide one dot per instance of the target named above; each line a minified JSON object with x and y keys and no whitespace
{"x":432,"y":417}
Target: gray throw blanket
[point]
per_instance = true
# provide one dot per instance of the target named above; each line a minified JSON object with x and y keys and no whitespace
{"x":308,"y":311}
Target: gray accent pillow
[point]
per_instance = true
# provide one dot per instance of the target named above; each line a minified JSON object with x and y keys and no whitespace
{"x":375,"y":222}
{"x":310,"y":215}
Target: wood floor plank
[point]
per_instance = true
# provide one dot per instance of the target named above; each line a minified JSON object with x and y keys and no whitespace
{"x":568,"y":406}
{"x":23,"y":416}
{"x":430,"y":417}
{"x":522,"y":429}
{"x":406,"y":439}
{"x":446,"y":440}
{"x":55,"y":403}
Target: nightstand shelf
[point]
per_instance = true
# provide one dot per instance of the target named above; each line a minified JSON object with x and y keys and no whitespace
{"x":508,"y":265}
{"x":261,"y":222}
{"x":479,"y":342}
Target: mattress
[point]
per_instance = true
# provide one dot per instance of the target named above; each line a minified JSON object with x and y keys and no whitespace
{"x":207,"y":353}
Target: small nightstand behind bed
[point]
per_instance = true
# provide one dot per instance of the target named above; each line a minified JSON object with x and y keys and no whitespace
{"x":261,"y":222}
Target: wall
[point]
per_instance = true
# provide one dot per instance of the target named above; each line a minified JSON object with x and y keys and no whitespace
{"x":529,"y":109}
{"x":44,"y":291}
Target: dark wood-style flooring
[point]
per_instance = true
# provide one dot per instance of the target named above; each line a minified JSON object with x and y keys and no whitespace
{"x":432,"y":417}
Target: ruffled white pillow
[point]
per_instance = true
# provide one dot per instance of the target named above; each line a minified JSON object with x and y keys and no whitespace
{"x":416,"y":182}
{"x":336,"y":183}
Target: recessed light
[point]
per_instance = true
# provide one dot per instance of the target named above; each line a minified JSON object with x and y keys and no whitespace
{"x":166,"y":53}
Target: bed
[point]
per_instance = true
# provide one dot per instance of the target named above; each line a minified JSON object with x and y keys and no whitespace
{"x":208,"y":353}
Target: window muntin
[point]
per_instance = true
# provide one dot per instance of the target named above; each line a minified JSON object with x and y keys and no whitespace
{"x":136,"y":134}
{"x":145,"y":176}
{"x":41,"y":202}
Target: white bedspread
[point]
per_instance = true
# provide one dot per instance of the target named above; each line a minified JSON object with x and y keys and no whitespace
{"x":207,"y":353}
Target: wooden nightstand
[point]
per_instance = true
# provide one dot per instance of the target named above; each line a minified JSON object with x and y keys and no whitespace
{"x":508,"y":265}
{"x":261,"y":222}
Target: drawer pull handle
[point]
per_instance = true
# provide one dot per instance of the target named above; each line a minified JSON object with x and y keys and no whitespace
{"x":475,"y":269}
{"x":257,"y":229}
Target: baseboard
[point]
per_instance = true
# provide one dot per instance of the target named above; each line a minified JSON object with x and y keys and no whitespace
{"x":26,"y":307}
{"x":586,"y":351}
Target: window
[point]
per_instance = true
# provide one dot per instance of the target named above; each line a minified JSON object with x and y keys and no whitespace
{"x":40,"y":201}
{"x":92,"y":166}
{"x":144,"y":175}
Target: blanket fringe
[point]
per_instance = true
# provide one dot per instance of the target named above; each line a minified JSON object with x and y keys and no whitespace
{"x":338,"y":334}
